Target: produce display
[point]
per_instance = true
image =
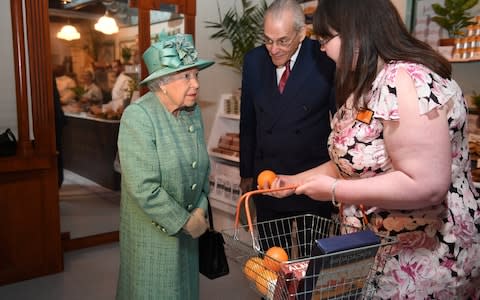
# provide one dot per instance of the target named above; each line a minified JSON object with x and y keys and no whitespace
{"x":263,"y":272}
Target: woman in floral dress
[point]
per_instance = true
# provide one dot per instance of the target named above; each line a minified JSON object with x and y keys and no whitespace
{"x":399,"y":146}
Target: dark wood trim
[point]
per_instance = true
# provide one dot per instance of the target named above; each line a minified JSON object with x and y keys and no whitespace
{"x":23,"y":164}
{"x":89,"y":241}
{"x":30,"y":244}
{"x":143,"y":40}
{"x":24,"y":145}
{"x":186,"y":7}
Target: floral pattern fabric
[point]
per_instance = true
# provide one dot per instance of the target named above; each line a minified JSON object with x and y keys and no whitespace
{"x":438,"y":251}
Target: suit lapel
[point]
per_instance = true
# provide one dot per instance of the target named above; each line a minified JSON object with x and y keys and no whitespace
{"x":298,"y":76}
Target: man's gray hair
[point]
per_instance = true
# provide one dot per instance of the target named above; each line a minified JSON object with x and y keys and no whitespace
{"x":279,"y":6}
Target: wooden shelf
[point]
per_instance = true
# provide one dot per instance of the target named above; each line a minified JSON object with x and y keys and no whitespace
{"x":224,"y":156}
{"x":464,"y":60}
{"x":230,"y":116}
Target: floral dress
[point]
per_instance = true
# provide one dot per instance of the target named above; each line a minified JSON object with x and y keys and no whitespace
{"x":438,"y":251}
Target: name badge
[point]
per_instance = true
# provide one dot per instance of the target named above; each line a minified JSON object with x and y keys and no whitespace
{"x":365,"y":115}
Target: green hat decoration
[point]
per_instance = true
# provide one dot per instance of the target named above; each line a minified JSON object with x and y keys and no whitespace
{"x":172,"y":54}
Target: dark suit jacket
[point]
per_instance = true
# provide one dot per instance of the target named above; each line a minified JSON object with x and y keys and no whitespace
{"x":286,"y":133}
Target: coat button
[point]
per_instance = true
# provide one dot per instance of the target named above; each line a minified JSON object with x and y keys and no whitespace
{"x":164,"y":230}
{"x":191,"y":128}
{"x":189,"y":207}
{"x":194,"y":186}
{"x":194,"y":164}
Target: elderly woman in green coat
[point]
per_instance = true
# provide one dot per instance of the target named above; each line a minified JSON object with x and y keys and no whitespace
{"x":165,"y":168}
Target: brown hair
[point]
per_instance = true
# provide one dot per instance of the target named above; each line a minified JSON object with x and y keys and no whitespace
{"x":369,"y":30}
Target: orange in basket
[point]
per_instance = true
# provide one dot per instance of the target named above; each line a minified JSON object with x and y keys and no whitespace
{"x":266,"y":178}
{"x":253,"y":267}
{"x":274,"y":257}
{"x":265,"y":282}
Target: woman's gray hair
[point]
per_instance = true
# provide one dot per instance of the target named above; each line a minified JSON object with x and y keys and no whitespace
{"x":154,"y":85}
{"x":279,"y":6}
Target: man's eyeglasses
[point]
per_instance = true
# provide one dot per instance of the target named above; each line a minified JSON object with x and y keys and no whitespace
{"x":323,"y":42}
{"x":283,"y":42}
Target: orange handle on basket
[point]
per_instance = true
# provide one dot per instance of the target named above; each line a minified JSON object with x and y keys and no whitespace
{"x":246,"y":196}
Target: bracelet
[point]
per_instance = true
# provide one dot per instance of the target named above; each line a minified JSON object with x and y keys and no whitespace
{"x":334,"y":201}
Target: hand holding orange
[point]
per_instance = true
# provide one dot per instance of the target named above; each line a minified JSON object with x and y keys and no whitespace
{"x":266,"y":178}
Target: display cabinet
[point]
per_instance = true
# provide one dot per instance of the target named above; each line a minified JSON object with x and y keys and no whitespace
{"x":223,"y":147}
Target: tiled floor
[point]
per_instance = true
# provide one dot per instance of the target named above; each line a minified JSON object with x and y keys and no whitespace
{"x":87,"y":208}
{"x":91,"y":273}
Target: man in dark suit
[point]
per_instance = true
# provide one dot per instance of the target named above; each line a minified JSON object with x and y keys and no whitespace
{"x":287,"y":131}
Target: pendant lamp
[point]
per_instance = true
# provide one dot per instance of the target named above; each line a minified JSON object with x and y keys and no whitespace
{"x":68,"y":33}
{"x":106,"y":24}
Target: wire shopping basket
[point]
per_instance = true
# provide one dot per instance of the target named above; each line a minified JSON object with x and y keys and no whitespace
{"x":308,"y":273}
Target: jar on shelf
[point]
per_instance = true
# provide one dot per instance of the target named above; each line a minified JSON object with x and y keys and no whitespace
{"x":458,"y":53}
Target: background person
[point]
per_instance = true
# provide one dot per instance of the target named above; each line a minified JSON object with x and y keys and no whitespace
{"x":120,"y":93}
{"x":165,"y":168}
{"x":92,"y":93}
{"x":285,"y":132}
{"x":399,"y":146}
{"x":65,"y":85}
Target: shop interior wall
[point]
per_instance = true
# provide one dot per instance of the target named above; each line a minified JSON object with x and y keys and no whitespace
{"x":218,"y":79}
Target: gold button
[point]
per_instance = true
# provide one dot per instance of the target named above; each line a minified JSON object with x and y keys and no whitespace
{"x":194,"y":186}
{"x":194,"y":164}
{"x":191,"y":128}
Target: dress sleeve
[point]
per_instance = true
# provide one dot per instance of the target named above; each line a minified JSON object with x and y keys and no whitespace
{"x":433,"y":91}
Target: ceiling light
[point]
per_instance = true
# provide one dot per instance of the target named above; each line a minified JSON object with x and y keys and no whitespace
{"x":69,"y":33}
{"x":106,"y":24}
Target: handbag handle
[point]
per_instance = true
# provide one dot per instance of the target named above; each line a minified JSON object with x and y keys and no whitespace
{"x":210,"y":215}
{"x":10,"y":134}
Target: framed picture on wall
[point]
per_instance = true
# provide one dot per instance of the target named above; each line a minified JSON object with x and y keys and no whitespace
{"x":128,"y":51}
{"x":106,"y":53}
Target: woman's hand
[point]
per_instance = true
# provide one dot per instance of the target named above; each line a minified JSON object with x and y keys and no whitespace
{"x":196,"y":224}
{"x":283,"y":181}
{"x":318,"y":187}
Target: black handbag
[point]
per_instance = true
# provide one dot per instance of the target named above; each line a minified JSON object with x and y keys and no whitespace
{"x":8,"y":143}
{"x":212,"y":259}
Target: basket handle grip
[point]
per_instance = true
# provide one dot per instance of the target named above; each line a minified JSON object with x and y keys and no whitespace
{"x":246,"y":196}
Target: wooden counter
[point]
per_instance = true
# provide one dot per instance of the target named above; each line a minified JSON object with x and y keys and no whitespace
{"x":89,"y":148}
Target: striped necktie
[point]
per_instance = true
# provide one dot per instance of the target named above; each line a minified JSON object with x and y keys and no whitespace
{"x":284,"y":78}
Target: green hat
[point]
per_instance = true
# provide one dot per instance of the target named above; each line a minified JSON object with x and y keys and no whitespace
{"x":170,"y":55}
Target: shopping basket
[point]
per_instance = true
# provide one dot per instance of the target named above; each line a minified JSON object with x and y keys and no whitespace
{"x":308,"y":274}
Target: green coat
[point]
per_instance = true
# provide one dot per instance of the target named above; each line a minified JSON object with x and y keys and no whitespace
{"x":165,"y":169}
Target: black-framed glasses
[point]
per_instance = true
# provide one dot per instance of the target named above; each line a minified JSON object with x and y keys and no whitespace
{"x":283,"y":42}
{"x":323,"y":42}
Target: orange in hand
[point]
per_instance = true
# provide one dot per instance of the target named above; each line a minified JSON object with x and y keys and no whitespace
{"x":274,"y":257}
{"x":266,"y":178}
{"x":253,"y":267}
